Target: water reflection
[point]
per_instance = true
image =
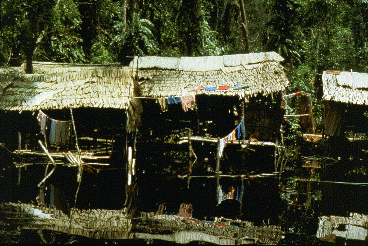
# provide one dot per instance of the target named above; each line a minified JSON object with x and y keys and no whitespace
{"x":314,"y":212}
{"x":325,"y":212}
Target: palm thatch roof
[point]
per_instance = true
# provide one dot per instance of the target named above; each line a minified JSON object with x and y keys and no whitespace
{"x":58,"y":86}
{"x":345,"y":87}
{"x":170,"y":76}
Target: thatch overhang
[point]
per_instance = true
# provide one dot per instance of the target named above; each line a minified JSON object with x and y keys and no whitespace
{"x":59,"y":86}
{"x":170,"y":76}
{"x":345,"y":87}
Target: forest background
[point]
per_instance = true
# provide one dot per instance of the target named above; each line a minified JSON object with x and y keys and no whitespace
{"x":312,"y":36}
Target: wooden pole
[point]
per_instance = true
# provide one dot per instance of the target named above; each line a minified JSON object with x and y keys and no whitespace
{"x":19,"y":148}
{"x":218,"y":169}
{"x":75,"y":133}
{"x":190,"y":156}
{"x":276,"y":153}
{"x":51,"y":159}
{"x":19,"y":141}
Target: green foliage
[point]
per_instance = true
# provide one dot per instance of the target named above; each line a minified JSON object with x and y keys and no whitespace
{"x":61,"y":41}
{"x":135,"y":38}
{"x":109,"y":15}
{"x":47,"y":28}
{"x":101,"y":52}
{"x":282,"y":38}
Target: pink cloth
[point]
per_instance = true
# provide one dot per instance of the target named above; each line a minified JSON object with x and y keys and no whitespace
{"x":188,"y":102}
{"x":42,"y":119}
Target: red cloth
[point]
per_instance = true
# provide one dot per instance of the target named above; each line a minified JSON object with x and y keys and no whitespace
{"x":232,"y":189}
{"x":223,"y":87}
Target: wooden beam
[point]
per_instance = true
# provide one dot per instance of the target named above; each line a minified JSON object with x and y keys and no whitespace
{"x":261,"y":175}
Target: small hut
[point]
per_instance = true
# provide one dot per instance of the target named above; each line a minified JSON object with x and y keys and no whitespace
{"x":345,"y":98}
{"x":209,"y":119}
{"x":65,"y":120}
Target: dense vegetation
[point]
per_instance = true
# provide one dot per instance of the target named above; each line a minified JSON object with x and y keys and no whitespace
{"x":312,"y":36}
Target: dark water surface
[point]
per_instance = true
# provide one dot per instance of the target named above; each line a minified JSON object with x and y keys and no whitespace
{"x":302,"y":203}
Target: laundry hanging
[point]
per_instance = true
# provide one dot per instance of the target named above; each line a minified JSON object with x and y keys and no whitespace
{"x":42,"y":119}
{"x":241,"y":129}
{"x":173,"y":100}
{"x":223,"y":88}
{"x":188,"y":102}
{"x":59,"y":132}
{"x":221,"y":195}
{"x":210,"y":88}
{"x":163,"y":103}
{"x":222,"y":146}
{"x":230,"y":138}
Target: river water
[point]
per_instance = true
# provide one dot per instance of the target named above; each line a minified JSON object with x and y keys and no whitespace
{"x":303,"y":203}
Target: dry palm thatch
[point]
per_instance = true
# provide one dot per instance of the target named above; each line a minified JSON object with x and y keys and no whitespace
{"x":345,"y":87}
{"x":58,"y":86}
{"x":169,"y":76}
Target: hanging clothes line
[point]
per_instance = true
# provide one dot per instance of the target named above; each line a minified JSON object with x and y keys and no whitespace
{"x":232,"y":136}
{"x":59,"y":130}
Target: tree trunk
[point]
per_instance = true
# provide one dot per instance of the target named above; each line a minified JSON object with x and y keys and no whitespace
{"x":29,"y":59}
{"x":244,"y":27}
{"x":124,"y":13}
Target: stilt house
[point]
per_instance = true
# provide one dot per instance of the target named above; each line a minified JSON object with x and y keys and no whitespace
{"x":345,"y":98}
{"x":67,"y":120}
{"x":209,"y":124}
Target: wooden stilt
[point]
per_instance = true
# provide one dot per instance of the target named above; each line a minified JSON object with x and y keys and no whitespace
{"x":52,"y":161}
{"x":19,"y":148}
{"x":19,"y":141}
{"x":241,"y":198}
{"x":218,"y":169}
{"x":190,"y":156}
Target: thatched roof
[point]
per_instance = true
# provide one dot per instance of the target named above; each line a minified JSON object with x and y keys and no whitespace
{"x":170,"y":76}
{"x":345,"y":87}
{"x":58,"y":86}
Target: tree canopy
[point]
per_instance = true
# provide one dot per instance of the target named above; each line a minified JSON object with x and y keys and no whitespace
{"x":312,"y":36}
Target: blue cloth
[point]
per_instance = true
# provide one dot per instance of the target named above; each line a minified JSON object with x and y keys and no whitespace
{"x":173,"y":100}
{"x":59,"y":132}
{"x":241,"y":193}
{"x":241,"y":130}
{"x":53,"y":131}
{"x":210,"y":88}
{"x":237,"y":193}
